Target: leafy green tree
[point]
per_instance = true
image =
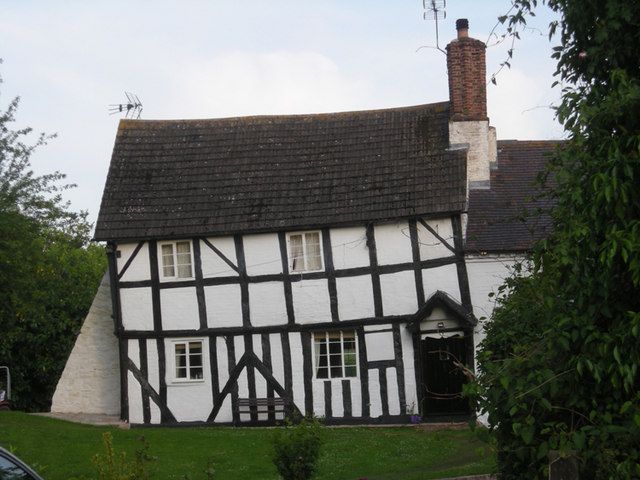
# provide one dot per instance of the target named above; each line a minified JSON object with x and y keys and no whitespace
{"x":48,"y":272}
{"x":559,"y":366}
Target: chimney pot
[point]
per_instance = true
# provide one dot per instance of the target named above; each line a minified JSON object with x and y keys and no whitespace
{"x":462,"y":26}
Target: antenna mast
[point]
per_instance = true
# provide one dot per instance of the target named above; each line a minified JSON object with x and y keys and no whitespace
{"x":435,"y":10}
{"x":132,"y":109}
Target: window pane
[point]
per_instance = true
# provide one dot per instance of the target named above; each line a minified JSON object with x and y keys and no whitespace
{"x":181,"y":349}
{"x":335,"y":360}
{"x":195,"y":347}
{"x":181,"y":372}
{"x":297,"y":256}
{"x":314,"y":262}
{"x":167,"y":261}
{"x":184,"y":271}
{"x":196,"y":373}
{"x":322,"y":372}
{"x":336,"y":372}
{"x":350,"y":371}
{"x":183,"y":248}
{"x":335,"y":347}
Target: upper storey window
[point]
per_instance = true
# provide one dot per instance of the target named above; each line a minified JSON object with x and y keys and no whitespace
{"x":176,"y":260}
{"x":305,"y":252}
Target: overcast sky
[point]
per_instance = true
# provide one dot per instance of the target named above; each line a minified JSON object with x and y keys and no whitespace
{"x":68,"y":60}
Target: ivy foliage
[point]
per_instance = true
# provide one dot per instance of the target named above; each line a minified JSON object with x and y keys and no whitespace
{"x":48,"y":272}
{"x":559,"y":366}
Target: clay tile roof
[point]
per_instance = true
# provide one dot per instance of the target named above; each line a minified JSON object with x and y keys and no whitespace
{"x":506,"y":217}
{"x":181,"y":178}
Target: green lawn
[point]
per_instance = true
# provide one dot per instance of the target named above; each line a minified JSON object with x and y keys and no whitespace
{"x":65,"y":449}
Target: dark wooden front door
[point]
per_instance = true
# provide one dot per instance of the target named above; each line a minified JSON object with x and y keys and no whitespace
{"x":442,"y":379}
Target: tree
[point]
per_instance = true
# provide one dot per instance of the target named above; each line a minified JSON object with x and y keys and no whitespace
{"x":48,"y":272}
{"x":559,"y":366}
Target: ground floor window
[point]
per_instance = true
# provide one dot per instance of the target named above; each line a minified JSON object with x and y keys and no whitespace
{"x":335,"y":354}
{"x":188,"y":360}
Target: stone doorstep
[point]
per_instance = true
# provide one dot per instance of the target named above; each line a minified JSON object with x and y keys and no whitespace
{"x":86,"y":418}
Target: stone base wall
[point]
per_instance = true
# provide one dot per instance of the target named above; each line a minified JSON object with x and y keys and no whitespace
{"x":90,"y":382}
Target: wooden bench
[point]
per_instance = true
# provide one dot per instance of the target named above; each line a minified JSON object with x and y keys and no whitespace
{"x":271,"y":406}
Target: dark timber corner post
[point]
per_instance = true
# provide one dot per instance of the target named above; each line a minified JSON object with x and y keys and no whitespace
{"x":111,"y":251}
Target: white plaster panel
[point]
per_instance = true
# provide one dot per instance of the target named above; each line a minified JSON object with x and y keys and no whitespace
{"x":356,"y":397}
{"x":225,"y":414}
{"x":224,"y":305}
{"x":267,"y":304}
{"x":349,"y":247}
{"x":133,"y":351}
{"x":257,"y":345}
{"x":189,"y":401}
{"x":179,"y":308}
{"x":243,"y":385}
{"x":409,"y":370}
{"x":262,"y":254}
{"x":311,"y":302}
{"x":212,"y":264}
{"x":392,"y":392}
{"x":393,"y":243}
{"x":277,"y":361}
{"x":374,"y":394}
{"x":139,"y":268}
{"x":443,"y":278}
{"x":355,"y":297}
{"x":399,"y":293}
{"x":135,"y":400}
{"x":137,"y":308}
{"x":155,"y":412}
{"x":318,"y":397}
{"x":297,"y":372}
{"x":337,"y":407}
{"x":153,"y":374}
{"x":430,"y":246}
{"x":379,"y":346}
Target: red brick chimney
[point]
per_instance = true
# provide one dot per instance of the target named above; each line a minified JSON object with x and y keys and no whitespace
{"x":467,"y":76}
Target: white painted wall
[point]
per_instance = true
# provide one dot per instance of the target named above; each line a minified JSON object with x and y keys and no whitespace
{"x":476,"y":134}
{"x":266,"y":304}
{"x":224,"y":306}
{"x":139,"y":268}
{"x":399,"y":293}
{"x":90,"y":382}
{"x":349,"y":247}
{"x":297,"y":370}
{"x":393,"y":243}
{"x":137,"y":308}
{"x":212,"y":264}
{"x":379,"y":345}
{"x":311,"y":302}
{"x":430,"y":246}
{"x":355,"y":297}
{"x":262,"y":254}
{"x":179,"y":309}
{"x":443,"y":278}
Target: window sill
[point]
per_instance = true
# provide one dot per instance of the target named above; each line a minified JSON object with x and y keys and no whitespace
{"x":185,"y":383}
{"x":336,"y":379}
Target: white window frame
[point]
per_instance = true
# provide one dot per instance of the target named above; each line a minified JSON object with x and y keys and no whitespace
{"x":304,"y":251}
{"x":313,"y":353}
{"x":186,"y":341}
{"x":175,"y":260}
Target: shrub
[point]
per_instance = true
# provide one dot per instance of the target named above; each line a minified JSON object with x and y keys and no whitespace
{"x":114,"y":465}
{"x":297,"y":448}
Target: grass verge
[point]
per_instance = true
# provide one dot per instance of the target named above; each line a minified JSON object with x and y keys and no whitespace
{"x":63,"y":450}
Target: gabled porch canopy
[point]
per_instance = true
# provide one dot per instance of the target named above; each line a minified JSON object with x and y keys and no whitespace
{"x":452,"y":307}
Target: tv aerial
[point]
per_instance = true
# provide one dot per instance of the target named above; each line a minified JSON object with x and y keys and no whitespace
{"x":132,"y":108}
{"x":435,"y":10}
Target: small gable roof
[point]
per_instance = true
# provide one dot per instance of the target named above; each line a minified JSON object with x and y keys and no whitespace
{"x":441,"y":299}
{"x":510,"y":216}
{"x":181,"y":178}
